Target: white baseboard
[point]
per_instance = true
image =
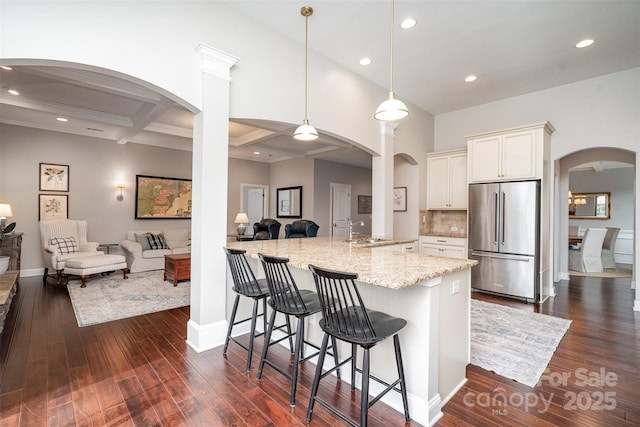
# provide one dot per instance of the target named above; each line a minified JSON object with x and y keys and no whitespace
{"x":206,"y":337}
{"x":636,"y":305}
{"x":564,"y":275}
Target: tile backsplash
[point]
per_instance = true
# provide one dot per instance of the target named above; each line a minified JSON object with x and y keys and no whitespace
{"x":440,"y":223}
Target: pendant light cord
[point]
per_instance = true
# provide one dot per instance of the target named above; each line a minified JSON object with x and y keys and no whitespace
{"x":391,"y":48}
{"x":306,"y":47}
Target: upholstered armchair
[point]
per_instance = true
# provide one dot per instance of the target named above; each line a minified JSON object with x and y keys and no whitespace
{"x":301,"y":228}
{"x":64,"y":239}
{"x":266,"y":229}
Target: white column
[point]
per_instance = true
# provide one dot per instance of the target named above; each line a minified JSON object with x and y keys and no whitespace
{"x":207,"y":327}
{"x":382,"y":183}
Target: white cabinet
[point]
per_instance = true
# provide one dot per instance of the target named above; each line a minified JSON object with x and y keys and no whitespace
{"x":451,"y":247}
{"x":515,"y":154}
{"x":447,"y":180}
{"x":400,"y":247}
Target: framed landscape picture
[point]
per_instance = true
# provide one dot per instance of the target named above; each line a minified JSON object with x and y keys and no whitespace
{"x":53,"y":206}
{"x":54,"y":177}
{"x":162,"y":198}
{"x":400,"y":199}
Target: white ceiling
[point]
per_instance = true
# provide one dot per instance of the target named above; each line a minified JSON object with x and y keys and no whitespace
{"x":514,"y":47}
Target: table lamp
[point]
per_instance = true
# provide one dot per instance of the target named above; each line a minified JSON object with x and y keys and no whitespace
{"x":241,"y":220}
{"x":5,"y":211}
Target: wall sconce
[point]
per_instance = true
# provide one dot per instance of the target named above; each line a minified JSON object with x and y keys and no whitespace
{"x":120,"y":197}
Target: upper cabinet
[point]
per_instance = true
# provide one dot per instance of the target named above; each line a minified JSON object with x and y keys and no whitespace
{"x":447,"y":180}
{"x":515,"y":154}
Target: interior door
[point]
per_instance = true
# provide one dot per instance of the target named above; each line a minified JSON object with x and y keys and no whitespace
{"x":340,"y":209}
{"x":254,"y":204}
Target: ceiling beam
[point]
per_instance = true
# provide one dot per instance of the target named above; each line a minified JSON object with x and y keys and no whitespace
{"x":142,"y":118}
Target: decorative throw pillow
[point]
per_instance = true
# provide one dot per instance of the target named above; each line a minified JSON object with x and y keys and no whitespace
{"x":143,"y":239}
{"x":157,"y":241}
{"x":66,"y":245}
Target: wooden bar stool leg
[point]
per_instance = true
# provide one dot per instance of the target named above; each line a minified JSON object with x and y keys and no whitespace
{"x":296,"y":359}
{"x":364,"y":397}
{"x":318,"y":374}
{"x":405,"y":401}
{"x":231,"y":321}
{"x":252,"y":333}
{"x":267,"y":339}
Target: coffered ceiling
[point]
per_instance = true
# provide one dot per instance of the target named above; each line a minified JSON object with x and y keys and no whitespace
{"x":513,"y":47}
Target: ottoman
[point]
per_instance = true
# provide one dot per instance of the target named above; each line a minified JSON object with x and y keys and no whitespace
{"x":87,"y":266}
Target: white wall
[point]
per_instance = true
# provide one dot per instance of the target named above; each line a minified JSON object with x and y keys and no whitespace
{"x":330,"y":172}
{"x":242,"y":172}
{"x":264,"y":84}
{"x":406,"y":174}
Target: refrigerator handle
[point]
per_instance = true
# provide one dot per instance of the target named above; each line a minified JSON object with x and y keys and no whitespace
{"x":503,"y":215}
{"x":496,"y":209}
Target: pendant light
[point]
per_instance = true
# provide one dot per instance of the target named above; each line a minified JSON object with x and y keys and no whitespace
{"x":306,"y":132}
{"x":391,"y":109}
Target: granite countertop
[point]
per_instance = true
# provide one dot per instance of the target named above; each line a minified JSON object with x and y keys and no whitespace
{"x":446,"y":234}
{"x":390,"y":269}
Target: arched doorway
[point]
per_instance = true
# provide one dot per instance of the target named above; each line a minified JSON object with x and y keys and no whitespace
{"x":594,"y":156}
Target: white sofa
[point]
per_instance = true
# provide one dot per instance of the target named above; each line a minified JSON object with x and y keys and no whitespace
{"x":139,"y":259}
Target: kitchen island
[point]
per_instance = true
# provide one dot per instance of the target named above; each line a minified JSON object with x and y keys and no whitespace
{"x":431,"y":293}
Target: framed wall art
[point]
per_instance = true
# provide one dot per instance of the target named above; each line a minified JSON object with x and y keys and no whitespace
{"x":364,"y":204}
{"x":54,"y":177}
{"x":162,"y":198}
{"x":53,"y":206}
{"x":400,"y":199}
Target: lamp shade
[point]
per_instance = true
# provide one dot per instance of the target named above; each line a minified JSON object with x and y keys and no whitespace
{"x":391,"y":109}
{"x":305,"y":132}
{"x":5,"y":210}
{"x":241,"y":218}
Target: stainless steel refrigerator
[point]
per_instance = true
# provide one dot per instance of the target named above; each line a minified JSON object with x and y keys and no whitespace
{"x":504,"y":224}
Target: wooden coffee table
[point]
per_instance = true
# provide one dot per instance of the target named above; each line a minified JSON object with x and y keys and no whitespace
{"x":177,"y":267}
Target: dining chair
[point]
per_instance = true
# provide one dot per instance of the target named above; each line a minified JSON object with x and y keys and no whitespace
{"x":608,"y":248}
{"x":588,"y":259}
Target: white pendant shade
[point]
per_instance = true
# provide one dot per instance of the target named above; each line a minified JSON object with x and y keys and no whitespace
{"x":305,"y":132}
{"x":391,"y":109}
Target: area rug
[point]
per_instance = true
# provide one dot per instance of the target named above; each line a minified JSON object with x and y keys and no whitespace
{"x":112,"y":297}
{"x":608,"y":272}
{"x":514,"y":343}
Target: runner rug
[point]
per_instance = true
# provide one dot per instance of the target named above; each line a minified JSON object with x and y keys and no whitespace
{"x":112,"y":297}
{"x":514,"y":343}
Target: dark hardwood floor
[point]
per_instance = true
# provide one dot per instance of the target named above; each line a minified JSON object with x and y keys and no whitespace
{"x":139,"y":371}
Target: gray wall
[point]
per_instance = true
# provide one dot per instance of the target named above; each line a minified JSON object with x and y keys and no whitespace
{"x":242,"y":172}
{"x":95,"y":165}
{"x":330,"y":172}
{"x":619,"y":182}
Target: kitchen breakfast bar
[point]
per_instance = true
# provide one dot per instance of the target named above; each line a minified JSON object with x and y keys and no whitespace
{"x":431,"y":293}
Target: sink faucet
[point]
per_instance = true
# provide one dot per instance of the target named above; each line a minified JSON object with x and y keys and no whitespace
{"x":360,"y":223}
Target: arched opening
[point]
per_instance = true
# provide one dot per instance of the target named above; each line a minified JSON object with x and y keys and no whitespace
{"x":606,"y":170}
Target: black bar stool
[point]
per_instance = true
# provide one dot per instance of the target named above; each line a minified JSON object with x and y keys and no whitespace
{"x":286,"y":298}
{"x":344,"y":317}
{"x":246,"y":284}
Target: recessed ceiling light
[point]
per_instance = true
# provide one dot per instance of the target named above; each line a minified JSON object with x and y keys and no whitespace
{"x":13,"y":92}
{"x":470,"y":78}
{"x":4,"y":67}
{"x":256,"y":152}
{"x":408,"y":23}
{"x":584,"y":43}
{"x":365,"y":61}
{"x":62,"y":119}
